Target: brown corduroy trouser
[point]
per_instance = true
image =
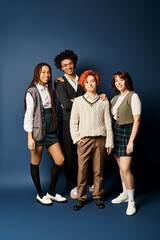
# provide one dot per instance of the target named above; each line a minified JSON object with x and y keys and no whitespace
{"x":90,"y":148}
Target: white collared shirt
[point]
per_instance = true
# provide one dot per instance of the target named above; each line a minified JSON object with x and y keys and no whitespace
{"x":73,"y":84}
{"x":45,"y":96}
{"x":46,"y":101}
{"x":89,"y":99}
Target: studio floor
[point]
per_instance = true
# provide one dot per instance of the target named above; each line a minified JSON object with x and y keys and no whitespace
{"x":22,"y":217}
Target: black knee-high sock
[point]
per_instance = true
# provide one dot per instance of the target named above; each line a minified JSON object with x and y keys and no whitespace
{"x":36,"y":179}
{"x":54,"y":178}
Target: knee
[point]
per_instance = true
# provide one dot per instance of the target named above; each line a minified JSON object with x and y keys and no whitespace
{"x":124,"y":170}
{"x":35,"y":161}
{"x":60,"y":161}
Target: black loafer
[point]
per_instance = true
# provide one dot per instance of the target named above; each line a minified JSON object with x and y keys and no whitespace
{"x":78,"y":205}
{"x":99,"y":202}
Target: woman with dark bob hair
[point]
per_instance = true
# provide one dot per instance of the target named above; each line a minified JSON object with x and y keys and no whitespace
{"x":41,"y":124}
{"x":126,"y":112}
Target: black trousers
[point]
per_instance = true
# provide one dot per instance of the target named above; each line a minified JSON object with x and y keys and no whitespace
{"x":71,"y":162}
{"x":70,"y":153}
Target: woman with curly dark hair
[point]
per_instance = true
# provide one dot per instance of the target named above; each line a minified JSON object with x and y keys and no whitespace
{"x":126,"y":111}
{"x":41,"y":124}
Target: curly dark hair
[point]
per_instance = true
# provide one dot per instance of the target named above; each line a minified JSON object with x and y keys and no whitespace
{"x":36,"y":75}
{"x":124,"y":75}
{"x":67,"y":54}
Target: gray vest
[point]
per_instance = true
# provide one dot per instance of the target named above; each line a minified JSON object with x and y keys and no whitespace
{"x":38,"y":119}
{"x":124,"y":111}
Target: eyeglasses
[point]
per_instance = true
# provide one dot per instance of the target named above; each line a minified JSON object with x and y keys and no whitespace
{"x":68,"y":65}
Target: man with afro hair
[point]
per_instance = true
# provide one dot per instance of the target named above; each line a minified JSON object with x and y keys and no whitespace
{"x":67,"y":89}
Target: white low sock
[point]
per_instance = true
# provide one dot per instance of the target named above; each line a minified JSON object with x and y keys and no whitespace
{"x":131,"y":194}
{"x":124,"y":187}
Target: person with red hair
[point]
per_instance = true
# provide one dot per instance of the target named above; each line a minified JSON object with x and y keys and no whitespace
{"x":91,"y":130}
{"x":84,"y":76}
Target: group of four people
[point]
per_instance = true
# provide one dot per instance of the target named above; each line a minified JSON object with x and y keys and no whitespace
{"x":87,"y":130}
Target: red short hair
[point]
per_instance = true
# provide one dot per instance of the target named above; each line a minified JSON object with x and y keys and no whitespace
{"x":85,"y":74}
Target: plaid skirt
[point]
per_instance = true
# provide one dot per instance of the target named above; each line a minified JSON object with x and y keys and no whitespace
{"x":50,"y":133}
{"x":121,"y":138}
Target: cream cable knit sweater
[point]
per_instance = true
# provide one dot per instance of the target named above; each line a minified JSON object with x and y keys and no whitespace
{"x":91,"y":120}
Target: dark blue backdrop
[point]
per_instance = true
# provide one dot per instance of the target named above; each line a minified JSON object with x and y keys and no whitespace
{"x":107,"y":36}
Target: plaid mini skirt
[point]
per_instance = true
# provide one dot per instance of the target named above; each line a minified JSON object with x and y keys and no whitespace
{"x":50,"y":133}
{"x":121,"y":138}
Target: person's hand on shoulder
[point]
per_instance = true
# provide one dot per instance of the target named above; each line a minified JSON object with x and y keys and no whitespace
{"x":103,"y":96}
{"x":59,"y":79}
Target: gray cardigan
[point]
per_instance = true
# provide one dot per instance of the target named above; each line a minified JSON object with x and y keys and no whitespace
{"x":38,"y":119}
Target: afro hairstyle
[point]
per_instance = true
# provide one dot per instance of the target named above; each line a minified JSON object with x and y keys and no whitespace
{"x":67,"y":54}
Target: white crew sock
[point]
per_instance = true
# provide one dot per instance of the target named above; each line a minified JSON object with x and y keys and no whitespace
{"x":131,"y":194}
{"x":124,"y":187}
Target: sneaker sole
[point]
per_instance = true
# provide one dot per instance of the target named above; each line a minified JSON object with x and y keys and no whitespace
{"x":131,"y":214}
{"x":119,"y":202}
